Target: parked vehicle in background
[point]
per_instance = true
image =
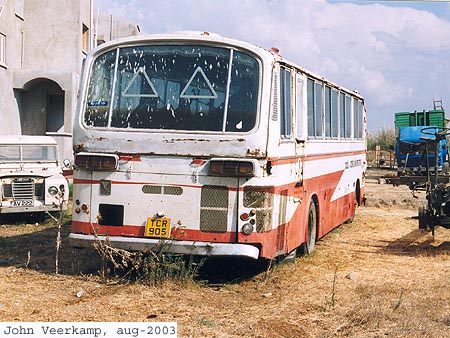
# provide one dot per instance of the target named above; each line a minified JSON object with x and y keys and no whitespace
{"x":414,"y":150}
{"x":212,"y":146}
{"x":30,"y":175}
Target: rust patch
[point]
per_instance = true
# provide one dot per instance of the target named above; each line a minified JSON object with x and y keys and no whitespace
{"x":201,"y":140}
{"x":79,"y":147}
{"x":185,"y":140}
{"x":254,"y":152}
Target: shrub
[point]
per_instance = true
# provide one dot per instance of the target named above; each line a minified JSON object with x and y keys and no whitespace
{"x":385,"y":138}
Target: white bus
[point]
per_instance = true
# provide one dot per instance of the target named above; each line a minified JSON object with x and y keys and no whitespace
{"x":204,"y":145}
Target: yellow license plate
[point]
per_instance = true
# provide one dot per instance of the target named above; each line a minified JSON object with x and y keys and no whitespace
{"x":158,"y":227}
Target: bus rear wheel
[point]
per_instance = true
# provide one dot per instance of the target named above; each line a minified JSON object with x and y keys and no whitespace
{"x":311,"y":239}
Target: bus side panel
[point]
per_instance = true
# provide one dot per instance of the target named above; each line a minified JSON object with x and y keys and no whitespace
{"x":335,"y":191}
{"x":298,"y":227}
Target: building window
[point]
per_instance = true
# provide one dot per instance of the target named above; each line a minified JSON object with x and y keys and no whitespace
{"x":85,"y":38}
{"x":2,"y":49}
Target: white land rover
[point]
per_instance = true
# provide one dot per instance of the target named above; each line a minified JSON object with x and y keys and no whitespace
{"x":31,"y":178}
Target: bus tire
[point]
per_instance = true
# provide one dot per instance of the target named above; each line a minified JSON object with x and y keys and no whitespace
{"x":356,"y":203}
{"x":311,"y":238}
{"x":352,"y":217}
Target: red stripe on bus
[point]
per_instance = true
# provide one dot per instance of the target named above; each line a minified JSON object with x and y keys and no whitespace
{"x":134,"y":158}
{"x":267,"y":241}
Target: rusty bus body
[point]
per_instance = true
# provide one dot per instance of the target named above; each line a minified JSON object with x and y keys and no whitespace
{"x":212,"y":146}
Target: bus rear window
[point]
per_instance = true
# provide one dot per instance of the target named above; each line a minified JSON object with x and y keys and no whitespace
{"x":176,"y":87}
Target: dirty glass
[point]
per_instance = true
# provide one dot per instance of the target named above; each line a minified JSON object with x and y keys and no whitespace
{"x":28,"y":153}
{"x":175,"y":87}
{"x":99,"y":94}
{"x":10,"y":153}
{"x":39,"y":153}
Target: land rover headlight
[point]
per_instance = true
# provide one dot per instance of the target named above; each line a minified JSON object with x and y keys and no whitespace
{"x":52,"y":190}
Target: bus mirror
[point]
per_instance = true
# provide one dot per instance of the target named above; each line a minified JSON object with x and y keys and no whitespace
{"x":66,"y":163}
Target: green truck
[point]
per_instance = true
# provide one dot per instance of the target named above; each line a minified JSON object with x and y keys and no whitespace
{"x":420,"y":118}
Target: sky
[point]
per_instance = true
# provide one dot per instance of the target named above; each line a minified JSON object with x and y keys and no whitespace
{"x":395,"y":53}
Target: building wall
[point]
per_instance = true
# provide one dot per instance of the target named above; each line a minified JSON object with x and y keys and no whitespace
{"x":47,"y":41}
{"x":53,"y":34}
{"x":11,"y":25}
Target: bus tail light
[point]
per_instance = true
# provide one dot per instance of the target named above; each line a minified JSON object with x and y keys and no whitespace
{"x":249,"y":218}
{"x":245,"y":216}
{"x":247,"y":228}
{"x":231,"y":168}
{"x":96,"y":161}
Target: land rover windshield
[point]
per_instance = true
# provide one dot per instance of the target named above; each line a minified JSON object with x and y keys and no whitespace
{"x":28,"y":153}
{"x":173,"y":87}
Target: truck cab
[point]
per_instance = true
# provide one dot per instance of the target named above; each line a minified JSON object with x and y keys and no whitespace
{"x":31,"y":178}
{"x":415,"y":151}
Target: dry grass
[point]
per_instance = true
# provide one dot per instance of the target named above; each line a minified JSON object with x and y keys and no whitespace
{"x":379,"y":276}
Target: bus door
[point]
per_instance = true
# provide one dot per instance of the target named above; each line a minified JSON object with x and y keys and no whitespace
{"x":287,"y":149}
{"x":299,"y":126}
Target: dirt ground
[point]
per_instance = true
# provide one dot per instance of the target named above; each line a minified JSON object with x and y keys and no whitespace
{"x":379,"y":276}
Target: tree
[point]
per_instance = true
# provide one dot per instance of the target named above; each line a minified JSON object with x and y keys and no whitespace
{"x":385,"y":138}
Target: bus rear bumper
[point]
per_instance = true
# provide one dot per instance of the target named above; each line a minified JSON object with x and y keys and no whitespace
{"x":172,"y":246}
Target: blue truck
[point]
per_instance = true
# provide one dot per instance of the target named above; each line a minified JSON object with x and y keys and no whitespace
{"x":416,"y":142}
{"x":422,"y":157}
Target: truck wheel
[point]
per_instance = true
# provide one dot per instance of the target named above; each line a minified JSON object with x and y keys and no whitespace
{"x":446,"y":168}
{"x":422,"y":215}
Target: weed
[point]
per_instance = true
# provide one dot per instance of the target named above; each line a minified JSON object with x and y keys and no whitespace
{"x":399,"y":301}
{"x":207,"y":322}
{"x":59,"y":223}
{"x":146,"y":266}
{"x":332,"y":301}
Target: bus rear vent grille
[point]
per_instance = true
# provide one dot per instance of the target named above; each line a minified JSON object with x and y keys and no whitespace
{"x":214,"y":209}
{"x":260,"y":199}
{"x":165,"y":190}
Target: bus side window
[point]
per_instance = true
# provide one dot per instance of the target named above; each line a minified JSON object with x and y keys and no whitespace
{"x":285,"y":103}
{"x":299,"y":133}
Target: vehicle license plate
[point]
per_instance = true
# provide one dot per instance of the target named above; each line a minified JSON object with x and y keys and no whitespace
{"x":157,"y":227}
{"x":22,"y":203}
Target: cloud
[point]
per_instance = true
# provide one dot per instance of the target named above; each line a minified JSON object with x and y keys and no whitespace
{"x":397,"y":57}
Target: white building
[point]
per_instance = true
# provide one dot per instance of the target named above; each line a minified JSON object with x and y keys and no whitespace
{"x":42,"y":47}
